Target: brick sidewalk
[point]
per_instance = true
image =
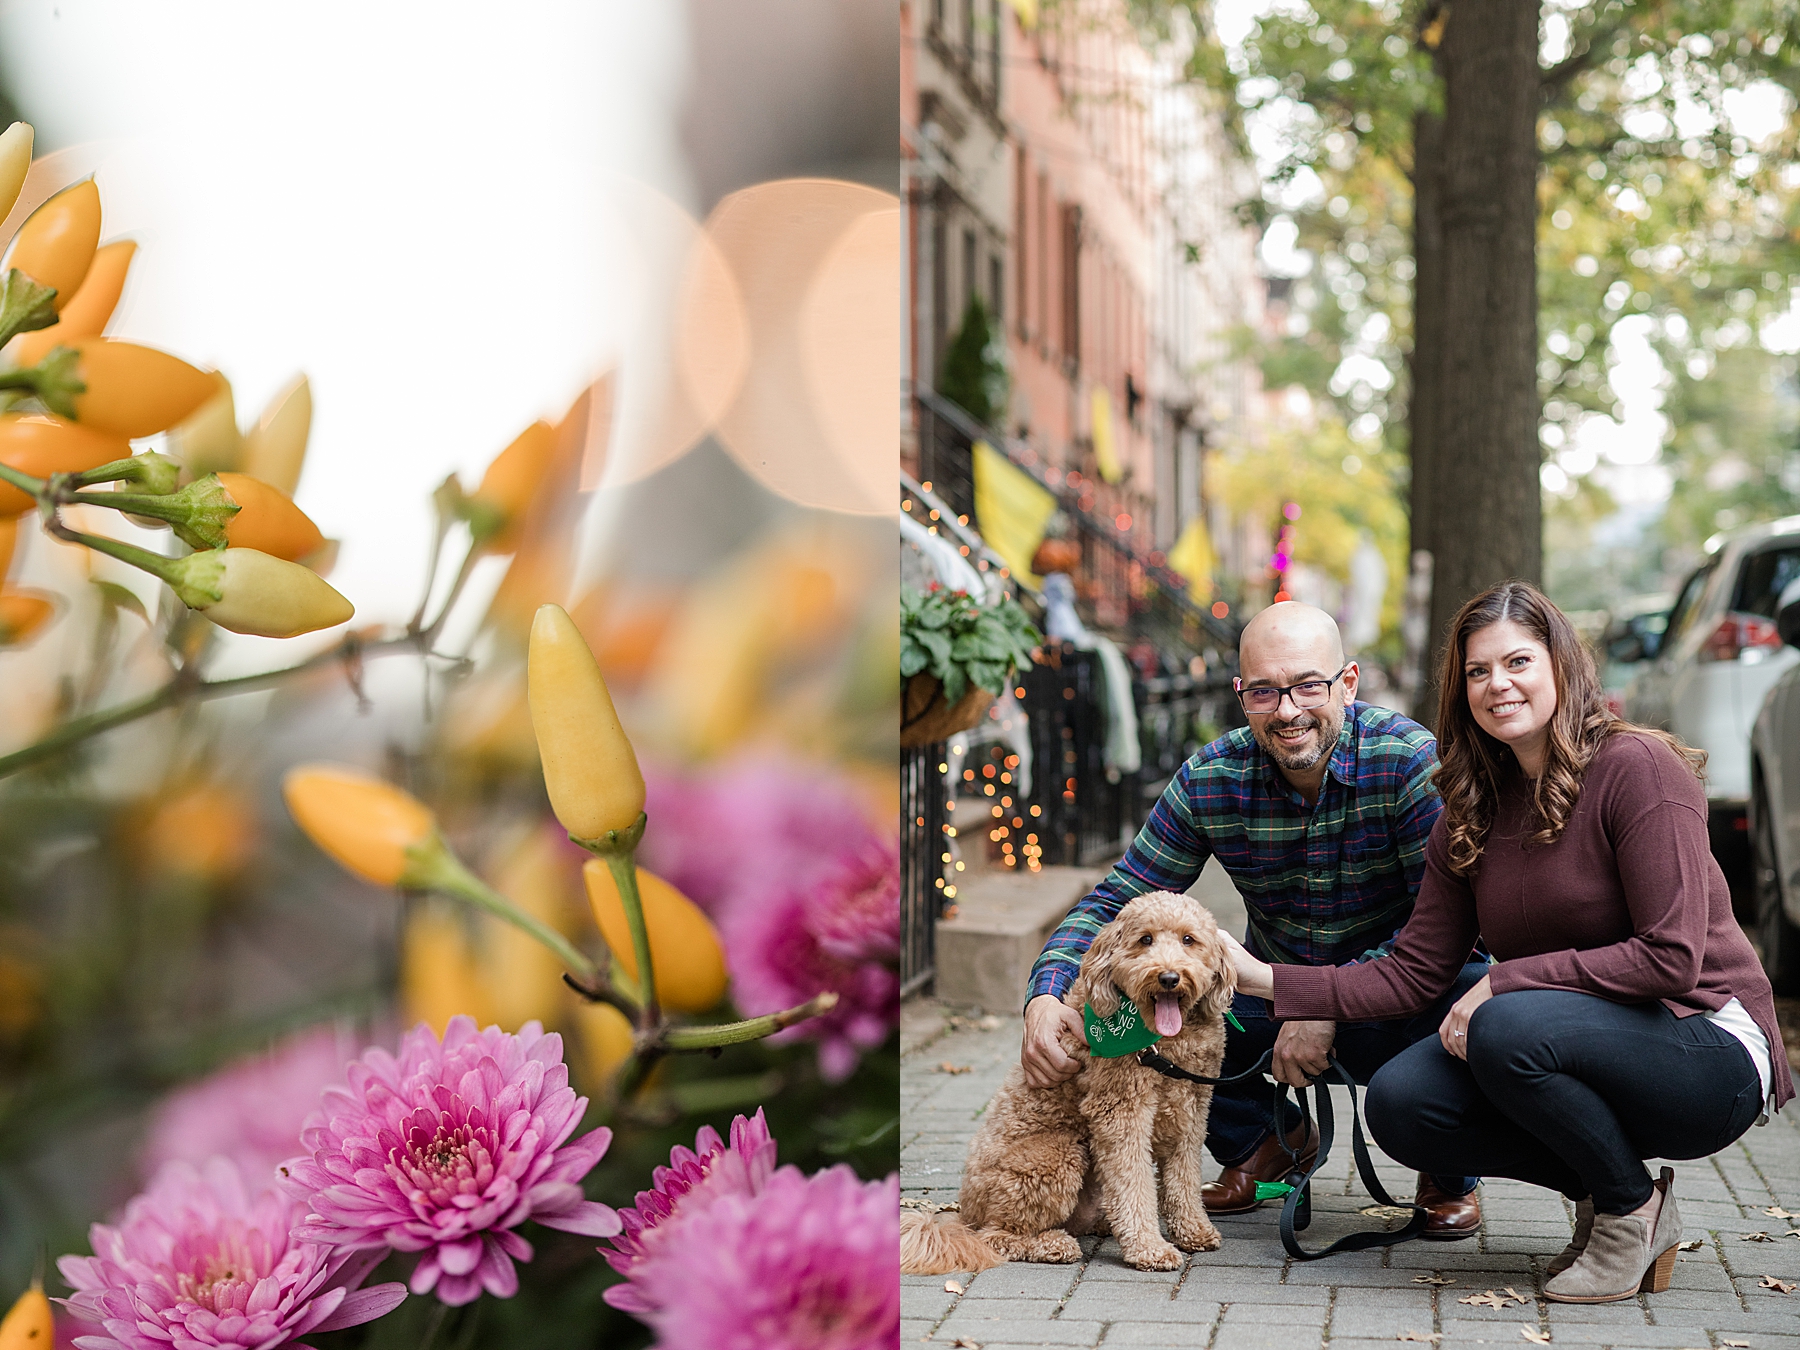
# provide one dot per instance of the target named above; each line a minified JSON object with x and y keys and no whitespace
{"x":1249,"y":1296}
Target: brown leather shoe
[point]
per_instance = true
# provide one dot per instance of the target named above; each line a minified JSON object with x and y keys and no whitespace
{"x":1234,"y":1191}
{"x":1452,"y":1216}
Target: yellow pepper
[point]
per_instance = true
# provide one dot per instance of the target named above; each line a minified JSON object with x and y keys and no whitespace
{"x":29,"y":1324}
{"x":439,"y":977}
{"x":275,"y":448}
{"x":56,"y":243}
{"x":512,"y":479}
{"x":207,"y":439}
{"x":91,"y":309}
{"x":136,"y":391}
{"x":364,"y":823}
{"x":22,"y":614}
{"x":590,"y":769}
{"x":15,"y":163}
{"x":250,"y":592}
{"x":525,"y":978}
{"x":684,"y":948}
{"x":267,"y":521}
{"x":41,"y":444}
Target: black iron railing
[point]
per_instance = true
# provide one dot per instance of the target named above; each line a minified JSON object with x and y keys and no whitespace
{"x":923,"y":795}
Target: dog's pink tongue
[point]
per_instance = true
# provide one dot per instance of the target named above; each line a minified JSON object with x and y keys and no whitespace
{"x":1168,"y":1015}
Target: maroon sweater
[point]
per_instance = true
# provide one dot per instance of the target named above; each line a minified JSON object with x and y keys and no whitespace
{"x":1628,"y":905}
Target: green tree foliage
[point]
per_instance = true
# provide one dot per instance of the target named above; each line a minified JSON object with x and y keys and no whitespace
{"x":1652,"y":204}
{"x":975,"y":375}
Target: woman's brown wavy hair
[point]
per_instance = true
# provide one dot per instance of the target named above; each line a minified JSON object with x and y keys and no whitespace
{"x":1470,"y":761}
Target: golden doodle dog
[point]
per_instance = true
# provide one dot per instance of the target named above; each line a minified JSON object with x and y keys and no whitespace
{"x":1047,"y":1165}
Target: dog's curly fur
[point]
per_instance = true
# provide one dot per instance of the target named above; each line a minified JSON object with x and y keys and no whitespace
{"x":1047,"y":1165}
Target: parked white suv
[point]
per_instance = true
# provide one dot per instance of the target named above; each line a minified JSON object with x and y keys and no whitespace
{"x":1719,"y":656}
{"x":1775,"y":814}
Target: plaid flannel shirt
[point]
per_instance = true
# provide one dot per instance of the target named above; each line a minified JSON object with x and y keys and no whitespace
{"x":1329,"y":884}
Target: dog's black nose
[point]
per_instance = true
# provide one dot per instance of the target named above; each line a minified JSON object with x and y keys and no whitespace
{"x":1168,"y":979}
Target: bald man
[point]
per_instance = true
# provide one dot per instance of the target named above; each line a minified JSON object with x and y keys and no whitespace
{"x":1319,"y":812}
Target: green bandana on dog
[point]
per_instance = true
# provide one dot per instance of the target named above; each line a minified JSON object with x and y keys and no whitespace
{"x":1124,"y":1033}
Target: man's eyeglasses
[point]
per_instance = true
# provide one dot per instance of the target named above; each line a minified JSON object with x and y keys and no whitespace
{"x":1266,"y":698}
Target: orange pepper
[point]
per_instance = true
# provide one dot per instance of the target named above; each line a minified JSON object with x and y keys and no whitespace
{"x":30,"y":1323}
{"x":136,"y":391}
{"x":41,"y":444}
{"x":511,"y":480}
{"x":55,"y":245}
{"x":267,"y":521}
{"x":439,"y":976}
{"x":91,"y":308}
{"x":9,"y":541}
{"x":590,"y":769}
{"x":684,"y":948}
{"x":22,"y":613}
{"x":364,"y":823}
{"x":205,"y":831}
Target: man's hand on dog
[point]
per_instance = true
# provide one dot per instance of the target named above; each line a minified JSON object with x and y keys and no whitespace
{"x":1046,"y":1063}
{"x":1300,"y":1051}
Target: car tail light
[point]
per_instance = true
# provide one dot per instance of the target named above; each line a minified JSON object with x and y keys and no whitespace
{"x":1738,"y":633}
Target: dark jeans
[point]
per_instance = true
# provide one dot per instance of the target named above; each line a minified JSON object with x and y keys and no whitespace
{"x":1568,"y":1091}
{"x":1239,"y":1121}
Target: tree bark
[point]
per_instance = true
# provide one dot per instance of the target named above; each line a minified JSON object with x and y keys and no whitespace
{"x":1474,"y":415}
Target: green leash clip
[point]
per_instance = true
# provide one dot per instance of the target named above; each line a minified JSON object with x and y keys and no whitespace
{"x":1231,"y":1017}
{"x":1271,"y":1190}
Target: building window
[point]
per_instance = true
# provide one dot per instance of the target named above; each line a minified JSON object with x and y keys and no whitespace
{"x":997,"y":287}
{"x":968,"y":267}
{"x":1043,"y":260}
{"x":1021,"y":243}
{"x":1071,"y":284}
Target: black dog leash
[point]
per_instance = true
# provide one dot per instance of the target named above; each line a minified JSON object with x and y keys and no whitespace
{"x":1296,"y":1209}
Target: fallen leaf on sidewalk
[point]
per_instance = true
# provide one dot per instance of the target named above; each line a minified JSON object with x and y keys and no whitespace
{"x":948,"y":1067}
{"x":1736,"y":1345}
{"x":1779,"y":1286}
{"x":1693,"y":1246}
{"x":1777,"y":1212}
{"x":965,"y":1343}
{"x":1515,"y":1294}
{"x":1492,"y":1300}
{"x":1436,"y":1280}
{"x":952,"y":1287}
{"x":1754,"y":1237}
{"x":1388,"y":1212}
{"x":1432,"y":1337}
{"x":1535,"y":1336}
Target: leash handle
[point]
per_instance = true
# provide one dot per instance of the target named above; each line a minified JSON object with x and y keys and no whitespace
{"x":1292,"y":1219}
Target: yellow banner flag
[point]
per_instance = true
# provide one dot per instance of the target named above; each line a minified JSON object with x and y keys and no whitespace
{"x":1105,"y":454}
{"x":1027,"y":10}
{"x":1011,"y":510}
{"x":1192,"y":556}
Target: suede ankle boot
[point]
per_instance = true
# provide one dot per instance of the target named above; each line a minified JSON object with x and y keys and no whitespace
{"x":1584,"y":1225}
{"x":1625,"y":1253}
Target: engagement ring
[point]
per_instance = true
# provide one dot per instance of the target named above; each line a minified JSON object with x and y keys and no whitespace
{"x":1456,"y":1033}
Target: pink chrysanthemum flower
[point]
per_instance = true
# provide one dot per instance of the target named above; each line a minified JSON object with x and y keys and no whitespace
{"x":807,"y":1264}
{"x":839,"y":931}
{"x":251,"y":1111}
{"x":692,"y":1179}
{"x":202,"y":1261}
{"x":718,"y":831}
{"x":446,"y":1150}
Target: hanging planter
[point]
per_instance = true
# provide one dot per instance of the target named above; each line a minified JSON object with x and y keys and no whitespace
{"x":925,"y":716}
{"x":955,"y":657}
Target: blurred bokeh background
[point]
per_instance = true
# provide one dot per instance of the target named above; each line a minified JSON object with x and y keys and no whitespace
{"x":670,"y":233}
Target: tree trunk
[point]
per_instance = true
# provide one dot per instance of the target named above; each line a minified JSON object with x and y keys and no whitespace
{"x":1474,"y":417}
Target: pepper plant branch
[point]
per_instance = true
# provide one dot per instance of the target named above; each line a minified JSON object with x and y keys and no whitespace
{"x":433,"y":867}
{"x":607,"y":990}
{"x":619,"y":849}
{"x":679,"y":1039}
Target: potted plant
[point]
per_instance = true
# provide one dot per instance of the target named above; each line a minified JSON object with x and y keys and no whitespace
{"x":956,"y":655}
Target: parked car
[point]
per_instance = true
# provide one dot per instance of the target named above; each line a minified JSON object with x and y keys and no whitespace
{"x":1719,"y":655}
{"x":1633,"y":635}
{"x":1775,"y":813}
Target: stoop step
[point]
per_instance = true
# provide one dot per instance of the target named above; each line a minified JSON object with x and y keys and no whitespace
{"x":1003,"y":919}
